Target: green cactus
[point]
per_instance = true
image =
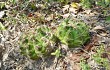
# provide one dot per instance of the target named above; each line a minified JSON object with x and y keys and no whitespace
{"x":73,"y":34}
{"x":38,"y":44}
{"x":35,"y":46}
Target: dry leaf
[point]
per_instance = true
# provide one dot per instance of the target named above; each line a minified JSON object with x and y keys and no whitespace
{"x":76,"y":57}
{"x":98,"y":28}
{"x":65,"y":8}
{"x":103,"y":34}
{"x":30,"y":15}
{"x":5,"y":56}
{"x":108,"y":51}
{"x":104,"y":55}
{"x":71,"y":9}
{"x":77,"y":66}
{"x":37,"y":14}
{"x":93,"y":41}
{"x":75,"y":10}
{"x":66,"y":15}
{"x":87,"y":11}
{"x":50,"y":17}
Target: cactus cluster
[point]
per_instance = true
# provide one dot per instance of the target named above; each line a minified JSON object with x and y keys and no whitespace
{"x":71,"y":33}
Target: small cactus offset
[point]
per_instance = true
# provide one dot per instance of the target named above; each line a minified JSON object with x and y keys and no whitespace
{"x":73,"y":34}
{"x":37,"y":45}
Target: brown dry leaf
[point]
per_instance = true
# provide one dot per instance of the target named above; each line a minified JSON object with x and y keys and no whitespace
{"x":108,"y":51}
{"x":37,"y":14}
{"x":30,"y":14}
{"x":104,"y":55}
{"x":76,"y":57}
{"x":93,"y":41}
{"x":98,"y":28}
{"x":74,"y":60}
{"x":76,"y":66}
{"x":109,"y":57}
{"x":40,"y":17}
{"x":103,"y":34}
{"x":34,"y":16}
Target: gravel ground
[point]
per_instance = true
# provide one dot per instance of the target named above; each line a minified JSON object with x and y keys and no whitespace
{"x":11,"y":59}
